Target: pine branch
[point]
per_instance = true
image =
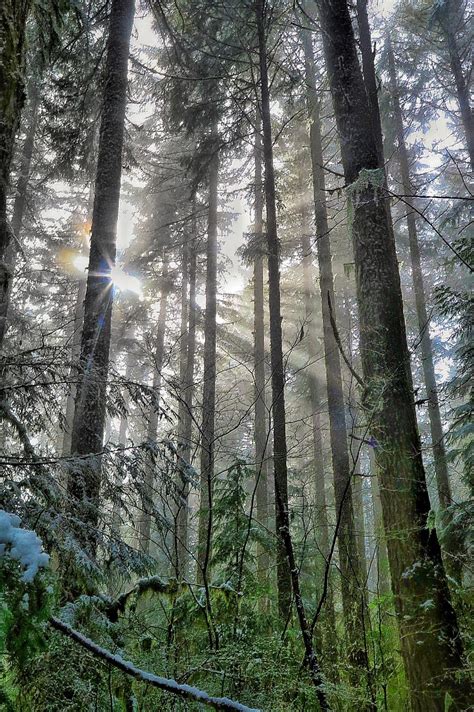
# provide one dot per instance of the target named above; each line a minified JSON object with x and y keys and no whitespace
{"x":22,"y":433}
{"x":171,"y":686}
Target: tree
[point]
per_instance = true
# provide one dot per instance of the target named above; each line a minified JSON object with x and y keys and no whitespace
{"x":287,"y":573}
{"x":437,"y":437}
{"x":13,"y":17}
{"x":450,"y":17}
{"x":209,"y":366}
{"x":88,"y":424}
{"x":416,"y":567}
{"x":353,"y":597}
{"x":260,"y":408}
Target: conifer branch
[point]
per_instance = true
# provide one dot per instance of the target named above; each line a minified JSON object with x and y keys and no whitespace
{"x":184,"y":691}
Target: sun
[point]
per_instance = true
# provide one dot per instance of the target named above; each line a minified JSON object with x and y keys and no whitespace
{"x":121,"y":280}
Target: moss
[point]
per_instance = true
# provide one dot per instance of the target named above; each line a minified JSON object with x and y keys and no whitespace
{"x":367,"y":178}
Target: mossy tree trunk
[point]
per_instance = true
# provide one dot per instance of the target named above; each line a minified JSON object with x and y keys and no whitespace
{"x":430,"y":642}
{"x":352,"y":581}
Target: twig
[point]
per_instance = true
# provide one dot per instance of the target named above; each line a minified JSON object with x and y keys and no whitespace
{"x":339,"y":345}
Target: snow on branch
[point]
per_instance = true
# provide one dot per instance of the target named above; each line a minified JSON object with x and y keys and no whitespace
{"x":163,"y":683}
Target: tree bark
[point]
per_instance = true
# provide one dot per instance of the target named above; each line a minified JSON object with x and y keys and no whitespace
{"x":209,"y":388}
{"x":288,"y":580}
{"x":13,"y":17}
{"x":148,"y":496}
{"x":89,"y":415}
{"x":260,"y":407}
{"x":188,"y":329}
{"x":352,"y":583}
{"x":430,"y":642}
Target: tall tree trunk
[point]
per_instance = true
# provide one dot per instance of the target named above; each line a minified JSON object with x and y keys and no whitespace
{"x":288,"y":580}
{"x":209,"y":387}
{"x":260,"y":407}
{"x":188,"y":330}
{"x":89,"y":415}
{"x":148,"y":496}
{"x":19,"y":204}
{"x":76,"y":338}
{"x":450,"y":17}
{"x":441,"y":467}
{"x":13,"y":17}
{"x":321,"y":514}
{"x":76,"y":335}
{"x":122,"y":436}
{"x":430,"y":642}
{"x":352,"y":583}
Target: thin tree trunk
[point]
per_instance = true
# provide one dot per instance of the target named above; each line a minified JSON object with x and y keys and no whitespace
{"x":352,"y":582}
{"x":288,"y":580}
{"x":370,"y":78}
{"x":89,"y":415}
{"x":209,"y":387}
{"x":430,"y":642}
{"x":450,"y":17}
{"x":76,"y":339}
{"x":122,"y":438}
{"x":148,"y":496}
{"x":19,"y":204}
{"x":76,"y":334}
{"x":321,"y":514}
{"x":441,"y":467}
{"x":13,"y":17}
{"x":188,"y":328}
{"x":260,"y":408}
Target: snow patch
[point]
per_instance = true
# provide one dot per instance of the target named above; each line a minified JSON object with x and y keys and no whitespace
{"x":22,"y":545}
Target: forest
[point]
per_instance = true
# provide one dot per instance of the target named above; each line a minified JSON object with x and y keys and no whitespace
{"x":236,"y":369}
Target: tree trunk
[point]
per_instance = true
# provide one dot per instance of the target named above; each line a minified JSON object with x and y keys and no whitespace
{"x":148,"y":495}
{"x":260,"y":408}
{"x":188,"y":330}
{"x":430,"y":642}
{"x":89,"y":415}
{"x":209,"y":387}
{"x":450,"y":17}
{"x":383,"y":574}
{"x":76,"y":336}
{"x":352,"y":583}
{"x":13,"y":16}
{"x":122,"y":438}
{"x":441,"y":467}
{"x":370,"y":78}
{"x":19,"y":204}
{"x":321,"y":514}
{"x":288,"y":580}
